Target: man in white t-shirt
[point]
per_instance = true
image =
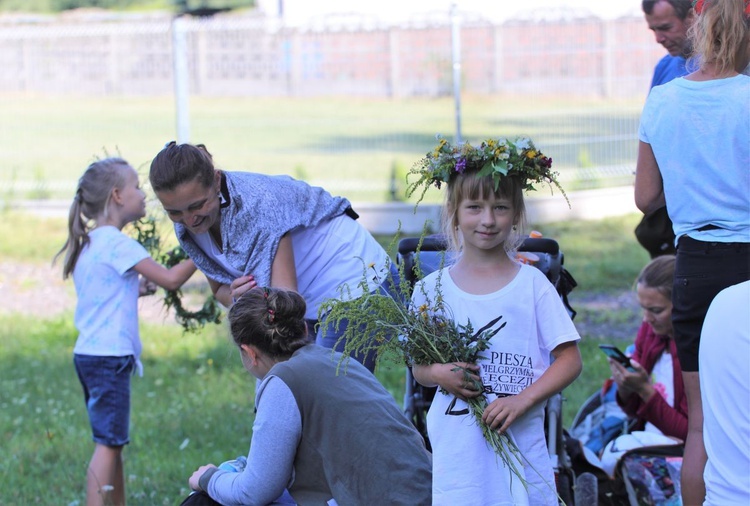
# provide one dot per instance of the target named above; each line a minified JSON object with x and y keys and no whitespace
{"x":724,"y":364}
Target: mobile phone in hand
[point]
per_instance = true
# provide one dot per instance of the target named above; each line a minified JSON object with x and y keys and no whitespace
{"x":618,"y":356}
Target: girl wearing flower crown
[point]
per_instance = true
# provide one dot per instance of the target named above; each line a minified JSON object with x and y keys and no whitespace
{"x":483,"y":217}
{"x":105,"y":264}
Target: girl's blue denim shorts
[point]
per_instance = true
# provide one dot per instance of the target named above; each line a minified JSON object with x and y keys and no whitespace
{"x":106,"y":390}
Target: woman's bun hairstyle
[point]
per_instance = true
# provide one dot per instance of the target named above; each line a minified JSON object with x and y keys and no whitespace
{"x":271,"y":319}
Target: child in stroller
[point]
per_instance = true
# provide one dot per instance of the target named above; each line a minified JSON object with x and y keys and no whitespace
{"x":421,"y":258}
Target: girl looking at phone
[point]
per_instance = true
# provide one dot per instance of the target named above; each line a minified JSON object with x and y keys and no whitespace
{"x":653,"y":391}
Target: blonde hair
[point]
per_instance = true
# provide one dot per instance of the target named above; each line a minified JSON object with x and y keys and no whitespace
{"x":468,"y":185}
{"x":720,"y":35}
{"x":92,"y":198}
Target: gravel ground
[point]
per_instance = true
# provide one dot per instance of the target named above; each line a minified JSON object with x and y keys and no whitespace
{"x":39,"y":290}
{"x":610,"y":316}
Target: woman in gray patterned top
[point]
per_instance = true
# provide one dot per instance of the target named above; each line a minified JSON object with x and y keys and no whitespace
{"x":245,"y":229}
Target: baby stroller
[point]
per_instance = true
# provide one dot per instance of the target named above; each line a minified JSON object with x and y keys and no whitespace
{"x":630,"y":467}
{"x":421,"y":259}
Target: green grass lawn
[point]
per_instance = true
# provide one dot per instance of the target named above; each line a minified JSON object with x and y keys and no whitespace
{"x":602,"y":255}
{"x":195,"y":402}
{"x":350,"y":146}
{"x":194,"y":405}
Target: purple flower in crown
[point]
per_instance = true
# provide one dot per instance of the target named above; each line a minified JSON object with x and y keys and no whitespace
{"x":498,"y":158}
{"x":461,"y":165}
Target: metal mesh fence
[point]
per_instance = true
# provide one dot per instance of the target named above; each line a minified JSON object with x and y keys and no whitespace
{"x":575,"y":85}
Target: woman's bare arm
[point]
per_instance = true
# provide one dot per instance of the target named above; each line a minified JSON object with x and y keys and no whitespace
{"x":283,"y":275}
{"x":649,"y":187}
{"x":283,"y":270}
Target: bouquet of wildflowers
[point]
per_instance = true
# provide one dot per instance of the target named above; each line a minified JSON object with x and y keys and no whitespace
{"x":424,"y":335}
{"x":493,"y":157}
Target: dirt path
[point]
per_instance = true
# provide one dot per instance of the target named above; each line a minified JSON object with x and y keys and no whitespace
{"x":612,"y":316}
{"x":38,"y":290}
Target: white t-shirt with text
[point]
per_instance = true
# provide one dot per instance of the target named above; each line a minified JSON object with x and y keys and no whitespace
{"x":465,"y":469}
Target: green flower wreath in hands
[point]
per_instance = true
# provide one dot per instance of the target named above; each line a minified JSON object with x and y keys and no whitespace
{"x":191,"y":321}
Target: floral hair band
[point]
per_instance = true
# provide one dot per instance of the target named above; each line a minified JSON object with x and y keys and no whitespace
{"x":498,"y":158}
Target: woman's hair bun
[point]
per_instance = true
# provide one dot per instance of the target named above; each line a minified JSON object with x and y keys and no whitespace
{"x":271,"y":319}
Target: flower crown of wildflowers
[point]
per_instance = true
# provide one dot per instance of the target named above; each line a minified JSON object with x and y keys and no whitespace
{"x":498,"y":158}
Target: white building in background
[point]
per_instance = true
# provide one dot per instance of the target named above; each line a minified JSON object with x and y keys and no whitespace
{"x":304,"y":12}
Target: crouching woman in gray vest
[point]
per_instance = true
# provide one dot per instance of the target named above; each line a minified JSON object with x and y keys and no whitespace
{"x":327,"y":438}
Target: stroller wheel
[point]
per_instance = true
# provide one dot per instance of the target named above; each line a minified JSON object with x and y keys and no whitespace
{"x":565,"y":488}
{"x":586,"y":489}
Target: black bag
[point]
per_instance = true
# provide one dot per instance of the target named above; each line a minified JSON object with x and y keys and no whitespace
{"x":655,"y":233}
{"x":199,"y":499}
